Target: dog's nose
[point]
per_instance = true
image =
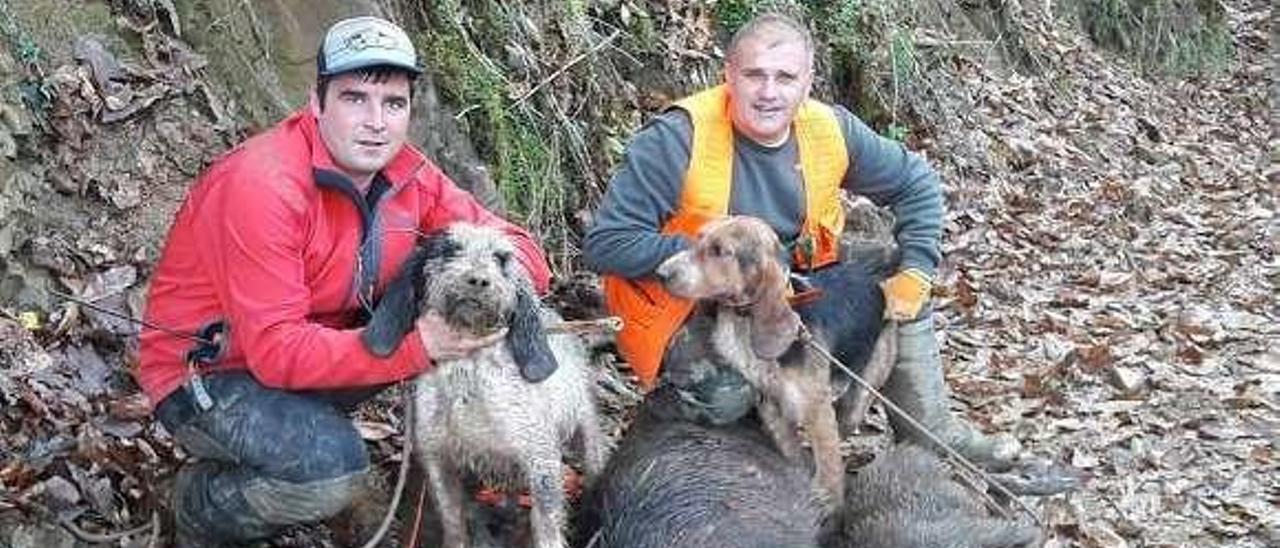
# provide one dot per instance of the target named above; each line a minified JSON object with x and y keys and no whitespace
{"x":478,"y":282}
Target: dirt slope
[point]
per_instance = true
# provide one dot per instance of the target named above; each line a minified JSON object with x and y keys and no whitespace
{"x":1108,"y":297}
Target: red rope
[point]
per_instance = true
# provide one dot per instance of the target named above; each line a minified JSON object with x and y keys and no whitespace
{"x":417,"y":514}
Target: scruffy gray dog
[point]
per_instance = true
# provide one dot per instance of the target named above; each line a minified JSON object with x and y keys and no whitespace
{"x":505,"y":413}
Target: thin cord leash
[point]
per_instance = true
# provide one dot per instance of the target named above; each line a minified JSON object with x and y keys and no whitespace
{"x":96,"y":308}
{"x":968,"y":465}
{"x":406,"y":392}
{"x":68,"y":524}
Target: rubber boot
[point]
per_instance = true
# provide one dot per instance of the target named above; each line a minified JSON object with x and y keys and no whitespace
{"x":918,"y":387}
{"x":187,"y":530}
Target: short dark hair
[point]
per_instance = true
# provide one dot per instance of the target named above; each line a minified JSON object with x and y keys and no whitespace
{"x":770,"y":21}
{"x":375,"y":74}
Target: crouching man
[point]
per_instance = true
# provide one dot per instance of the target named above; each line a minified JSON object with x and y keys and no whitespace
{"x":281,"y":248}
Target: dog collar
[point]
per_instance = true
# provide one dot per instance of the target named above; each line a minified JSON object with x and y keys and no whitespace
{"x":801,"y":291}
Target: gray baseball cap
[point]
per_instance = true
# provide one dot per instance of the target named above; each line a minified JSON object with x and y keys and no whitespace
{"x":366,"y":41}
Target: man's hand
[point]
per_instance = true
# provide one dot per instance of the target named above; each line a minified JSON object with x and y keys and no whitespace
{"x":445,"y":343}
{"x":905,"y":293}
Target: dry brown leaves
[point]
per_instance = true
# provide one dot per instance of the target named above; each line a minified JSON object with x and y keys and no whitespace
{"x":75,"y":446}
{"x":1108,"y":297}
{"x":1111,"y":269}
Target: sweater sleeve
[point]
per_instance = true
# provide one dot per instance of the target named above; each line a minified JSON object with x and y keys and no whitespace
{"x":888,"y":174}
{"x":625,"y":238}
{"x":256,"y":260}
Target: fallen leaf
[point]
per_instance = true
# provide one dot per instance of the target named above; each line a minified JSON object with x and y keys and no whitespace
{"x":374,"y":431}
{"x":132,"y":407}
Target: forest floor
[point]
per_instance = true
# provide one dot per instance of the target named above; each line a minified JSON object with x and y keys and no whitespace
{"x":1108,"y":298}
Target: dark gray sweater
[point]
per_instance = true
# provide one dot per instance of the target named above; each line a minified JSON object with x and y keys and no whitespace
{"x":645,"y":192}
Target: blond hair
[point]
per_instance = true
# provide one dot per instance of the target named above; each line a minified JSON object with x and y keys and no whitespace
{"x":777,"y":25}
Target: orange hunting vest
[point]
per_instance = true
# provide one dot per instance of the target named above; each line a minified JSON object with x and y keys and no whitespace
{"x":650,"y":315}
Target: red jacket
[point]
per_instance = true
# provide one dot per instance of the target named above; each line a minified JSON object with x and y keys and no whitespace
{"x":267,"y":240}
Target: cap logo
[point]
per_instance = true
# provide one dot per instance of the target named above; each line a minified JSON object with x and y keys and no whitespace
{"x":366,"y":41}
{"x":363,"y":40}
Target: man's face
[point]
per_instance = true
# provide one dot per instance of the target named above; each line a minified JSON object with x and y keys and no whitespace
{"x":768,"y":77}
{"x":364,"y":123}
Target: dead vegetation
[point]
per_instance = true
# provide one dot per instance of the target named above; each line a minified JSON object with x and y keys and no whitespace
{"x":1109,"y":294}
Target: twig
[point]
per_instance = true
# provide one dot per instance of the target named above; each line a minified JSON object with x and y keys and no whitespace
{"x":565,"y":67}
{"x":105,"y":538}
{"x":611,"y":324}
{"x":928,"y":42}
{"x":40,"y":511}
{"x":256,"y":27}
{"x":119,"y":316}
{"x":480,"y":58}
{"x":154,"y":541}
{"x":476,"y":51}
{"x":622,"y":52}
{"x":463,"y":113}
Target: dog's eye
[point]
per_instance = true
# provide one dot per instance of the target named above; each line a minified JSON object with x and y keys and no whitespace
{"x":503,"y":257}
{"x":716,"y":250}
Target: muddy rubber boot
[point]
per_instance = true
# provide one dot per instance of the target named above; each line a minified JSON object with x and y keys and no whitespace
{"x":187,"y":532}
{"x":211,"y":510}
{"x":918,"y":387}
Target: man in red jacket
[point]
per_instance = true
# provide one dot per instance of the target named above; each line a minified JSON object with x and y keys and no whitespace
{"x":278,"y":253}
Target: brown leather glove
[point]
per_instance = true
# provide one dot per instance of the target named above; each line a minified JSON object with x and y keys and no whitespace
{"x":905,"y":293}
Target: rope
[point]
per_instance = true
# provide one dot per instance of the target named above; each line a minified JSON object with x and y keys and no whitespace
{"x":406,"y":448}
{"x":965,"y":463}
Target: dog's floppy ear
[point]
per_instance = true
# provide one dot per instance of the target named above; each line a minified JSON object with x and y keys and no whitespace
{"x":394,"y":315}
{"x":774,"y":325}
{"x":528,"y":340}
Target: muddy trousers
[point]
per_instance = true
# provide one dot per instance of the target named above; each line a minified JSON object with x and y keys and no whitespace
{"x":264,"y":459}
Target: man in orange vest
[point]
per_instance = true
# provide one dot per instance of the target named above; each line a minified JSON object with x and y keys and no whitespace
{"x":757,"y":145}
